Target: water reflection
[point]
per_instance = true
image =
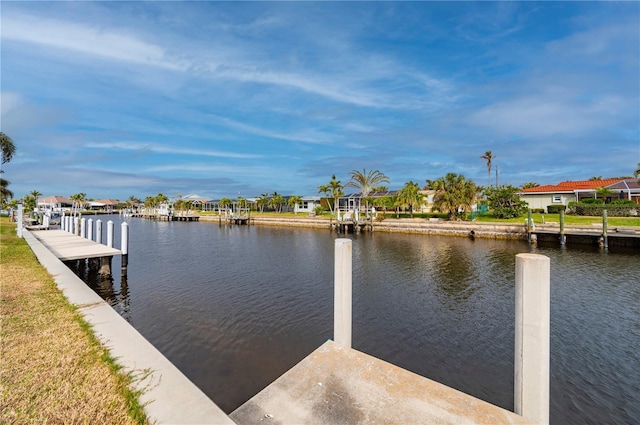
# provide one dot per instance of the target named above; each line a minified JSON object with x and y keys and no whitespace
{"x":454,"y":273}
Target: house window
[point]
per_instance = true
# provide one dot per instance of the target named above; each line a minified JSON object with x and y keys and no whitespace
{"x":557,"y":198}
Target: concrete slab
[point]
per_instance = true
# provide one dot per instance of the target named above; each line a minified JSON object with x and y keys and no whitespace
{"x":67,"y":246}
{"x":334,"y":385}
{"x":168,"y":396}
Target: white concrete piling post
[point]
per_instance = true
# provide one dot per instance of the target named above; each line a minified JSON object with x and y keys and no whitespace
{"x":83,"y":228}
{"x":45,"y":221}
{"x":76,"y":226}
{"x":19,"y":219}
{"x":99,"y":231}
{"x":110,"y":234}
{"x":124,"y":244}
{"x":342,"y":292}
{"x":532,"y":342}
{"x":90,"y":229}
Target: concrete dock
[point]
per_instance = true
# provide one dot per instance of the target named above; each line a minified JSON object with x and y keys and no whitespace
{"x":336,"y":385}
{"x":67,"y":246}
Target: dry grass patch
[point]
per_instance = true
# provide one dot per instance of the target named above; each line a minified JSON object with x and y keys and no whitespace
{"x":52,"y":369}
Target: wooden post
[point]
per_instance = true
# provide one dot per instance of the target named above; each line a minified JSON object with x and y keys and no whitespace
{"x":342,"y":292}
{"x":605,"y":238}
{"x":563,"y":238}
{"x":99,"y":231}
{"x":110,"y":234}
{"x":532,"y":341}
{"x":124,"y":244}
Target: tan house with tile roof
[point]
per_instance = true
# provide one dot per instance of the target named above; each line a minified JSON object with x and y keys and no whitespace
{"x":570,"y":191}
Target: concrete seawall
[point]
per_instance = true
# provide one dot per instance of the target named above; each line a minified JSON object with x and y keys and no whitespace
{"x":168,"y":396}
{"x":405,"y":225}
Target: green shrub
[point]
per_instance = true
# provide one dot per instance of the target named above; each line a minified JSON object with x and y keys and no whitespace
{"x":555,"y":209}
{"x":612,"y":210}
{"x":537,"y":210}
{"x":592,"y":201}
{"x":622,"y":202}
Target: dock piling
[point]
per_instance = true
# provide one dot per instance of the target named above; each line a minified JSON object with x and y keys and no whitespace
{"x":563,"y":238}
{"x":124,"y":244}
{"x":90,"y":229}
{"x":605,"y":238}
{"x":342,"y":292}
{"x":83,"y":228}
{"x":110,"y":234}
{"x":99,"y":231}
{"x":532,"y":341}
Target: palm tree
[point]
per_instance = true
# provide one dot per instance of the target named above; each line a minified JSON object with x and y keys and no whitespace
{"x":530,"y":185}
{"x":7,"y":147}
{"x":35,"y":195}
{"x":276,"y":201}
{"x":293,"y":201}
{"x":366,"y":182}
{"x":410,"y":196}
{"x":78,"y":202}
{"x":262,"y":201}
{"x":333,"y":191}
{"x":637,"y":172}
{"x":5,"y":193}
{"x":453,"y":193}
{"x":224,"y":203}
{"x":488,"y":156}
{"x":604,"y":193}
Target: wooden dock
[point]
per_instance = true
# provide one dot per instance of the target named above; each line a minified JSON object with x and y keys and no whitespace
{"x":67,"y":246}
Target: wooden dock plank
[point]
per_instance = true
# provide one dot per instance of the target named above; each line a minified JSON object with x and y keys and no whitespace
{"x":341,"y":385}
{"x":67,"y":246}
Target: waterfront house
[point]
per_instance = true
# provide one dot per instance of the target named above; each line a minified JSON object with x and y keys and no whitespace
{"x":574,"y":191}
{"x":355,"y":201}
{"x":308,"y":204}
{"x":55,"y":203}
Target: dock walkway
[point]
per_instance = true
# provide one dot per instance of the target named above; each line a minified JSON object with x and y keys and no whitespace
{"x":67,"y":246}
{"x":337,"y":385}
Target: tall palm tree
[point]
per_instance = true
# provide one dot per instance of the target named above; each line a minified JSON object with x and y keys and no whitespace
{"x":637,"y":172}
{"x":366,"y":182}
{"x":262,"y":201}
{"x":333,"y":191}
{"x":276,"y":201}
{"x":488,"y":156}
{"x":35,"y":195}
{"x":7,"y":147}
{"x":410,"y":196}
{"x":453,"y":193}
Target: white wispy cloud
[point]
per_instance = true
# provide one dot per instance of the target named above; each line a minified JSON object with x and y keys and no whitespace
{"x":163,"y":149}
{"x":112,"y":44}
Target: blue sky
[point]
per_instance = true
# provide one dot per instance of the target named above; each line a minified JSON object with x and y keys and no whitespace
{"x":224,"y":98}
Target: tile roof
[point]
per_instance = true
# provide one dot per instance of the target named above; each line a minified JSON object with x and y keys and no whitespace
{"x":570,"y":186}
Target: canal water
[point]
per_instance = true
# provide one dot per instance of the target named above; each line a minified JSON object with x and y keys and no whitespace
{"x":235,"y":307}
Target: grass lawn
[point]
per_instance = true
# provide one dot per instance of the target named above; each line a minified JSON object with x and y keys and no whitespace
{"x":568,"y":219}
{"x":52,"y":369}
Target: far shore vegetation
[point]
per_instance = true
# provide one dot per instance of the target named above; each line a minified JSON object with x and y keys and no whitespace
{"x":53,"y":370}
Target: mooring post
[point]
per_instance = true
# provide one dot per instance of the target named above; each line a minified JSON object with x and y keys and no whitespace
{"x":124,"y":244}
{"x":90,"y":229}
{"x":563,"y":238}
{"x":20,"y":218}
{"x":605,"y":238}
{"x":110,"y":234}
{"x":342,"y":292}
{"x":76,"y":226}
{"x":99,"y":231}
{"x":83,"y":227}
{"x":532,"y":341}
{"x":529,"y":224}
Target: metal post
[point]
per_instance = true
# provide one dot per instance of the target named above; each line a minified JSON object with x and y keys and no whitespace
{"x":99,"y":231}
{"x":124,"y":244}
{"x":563,"y":238}
{"x":532,"y":341}
{"x":605,"y":238}
{"x":342,"y":292}
{"x":110,"y":234}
